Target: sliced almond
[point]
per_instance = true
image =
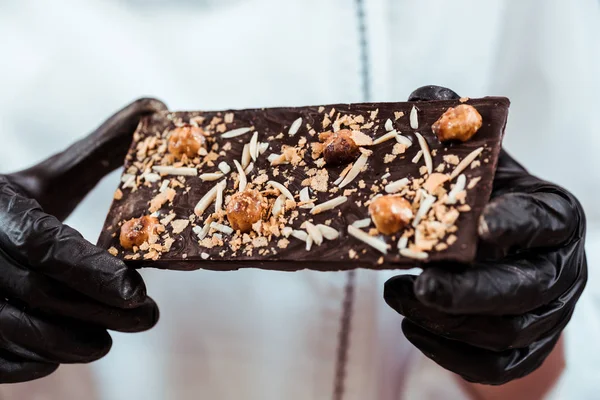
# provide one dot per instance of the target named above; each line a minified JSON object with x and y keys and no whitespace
{"x":355,"y":170}
{"x":164,"y":186}
{"x":414,"y":118}
{"x":329,"y":204}
{"x":458,"y":187}
{"x":386,"y":137}
{"x":284,"y":191}
{"x":277,"y":159}
{"x":417,"y":157}
{"x":300,"y":235}
{"x":295,"y":127}
{"x":278,"y":206}
{"x":362,"y":223}
{"x":150,"y":177}
{"x":263,"y":147}
{"x":222,"y":228}
{"x":403,"y":140}
{"x":465,"y":162}
{"x":213,"y":176}
{"x":205,"y":201}
{"x":314,"y":233}
{"x":305,"y":198}
{"x":417,"y":255}
{"x":241,"y":176}
{"x":343,"y":175}
{"x":254,"y":146}
{"x":396,"y":186}
{"x":372,"y":241}
{"x":182,"y":171}
{"x":426,"y":152}
{"x":426,"y":204}
{"x":402,"y":242}
{"x":219,"y":197}
{"x":287,"y":231}
{"x":309,"y":242}
{"x":235,"y":132}
{"x":389,"y":125}
{"x":246,"y":157}
{"x":224,"y":167}
{"x":328,"y":232}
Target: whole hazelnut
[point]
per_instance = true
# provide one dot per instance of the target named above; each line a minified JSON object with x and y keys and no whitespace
{"x":188,"y":140}
{"x":137,"y":230}
{"x":340,"y":148}
{"x":457,"y":123}
{"x":390,"y":213}
{"x":245,"y":208}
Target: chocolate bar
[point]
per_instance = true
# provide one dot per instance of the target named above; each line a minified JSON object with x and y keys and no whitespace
{"x":335,"y":187}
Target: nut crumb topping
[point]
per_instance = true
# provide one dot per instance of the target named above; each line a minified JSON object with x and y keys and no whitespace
{"x":451,"y":159}
{"x":179,"y":225}
{"x":307,"y":166}
{"x":160,"y":199}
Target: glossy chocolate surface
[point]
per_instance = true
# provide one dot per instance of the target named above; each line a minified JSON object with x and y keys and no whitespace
{"x":186,"y":252}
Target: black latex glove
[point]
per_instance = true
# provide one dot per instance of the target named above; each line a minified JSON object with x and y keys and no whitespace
{"x":499,"y":319}
{"x":59,"y":293}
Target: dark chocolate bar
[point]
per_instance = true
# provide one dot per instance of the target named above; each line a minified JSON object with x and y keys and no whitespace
{"x":325,"y":187}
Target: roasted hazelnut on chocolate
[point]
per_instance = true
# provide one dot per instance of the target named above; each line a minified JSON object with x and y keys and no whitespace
{"x":340,"y":148}
{"x":245,"y":208}
{"x":188,"y":140}
{"x":137,"y":230}
{"x":390,"y":213}
{"x":457,"y":123}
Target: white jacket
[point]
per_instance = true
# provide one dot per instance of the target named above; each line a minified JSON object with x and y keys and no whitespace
{"x":259,"y":335}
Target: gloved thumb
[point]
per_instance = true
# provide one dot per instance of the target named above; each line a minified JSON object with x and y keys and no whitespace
{"x":524,"y":221}
{"x":60,"y":182}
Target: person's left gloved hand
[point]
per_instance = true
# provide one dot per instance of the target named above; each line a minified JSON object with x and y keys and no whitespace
{"x":499,"y":319}
{"x":59,"y":294}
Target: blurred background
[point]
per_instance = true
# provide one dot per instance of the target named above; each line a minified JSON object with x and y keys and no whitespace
{"x":66,"y":65}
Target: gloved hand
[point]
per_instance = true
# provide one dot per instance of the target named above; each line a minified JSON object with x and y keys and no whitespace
{"x":499,"y":319}
{"x":60,"y":293}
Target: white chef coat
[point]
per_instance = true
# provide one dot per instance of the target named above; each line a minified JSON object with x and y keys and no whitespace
{"x":251,"y":334}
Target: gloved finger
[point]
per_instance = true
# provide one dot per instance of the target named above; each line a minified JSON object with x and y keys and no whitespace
{"x":40,"y":339}
{"x":496,"y":333}
{"x":512,"y":286}
{"x":432,"y":92}
{"x":475,"y":364}
{"x":51,"y":297}
{"x":31,"y":238}
{"x":517,"y":221}
{"x":60,"y":182}
{"x":14,"y":369}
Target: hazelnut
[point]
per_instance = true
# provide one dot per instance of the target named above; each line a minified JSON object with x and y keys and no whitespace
{"x":457,"y":123}
{"x":340,"y":148}
{"x":245,"y":208}
{"x":137,"y":230}
{"x":390,"y":213}
{"x":186,"y":140}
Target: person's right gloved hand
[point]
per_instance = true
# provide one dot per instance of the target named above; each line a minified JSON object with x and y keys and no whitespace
{"x":499,"y":318}
{"x":59,"y":293}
